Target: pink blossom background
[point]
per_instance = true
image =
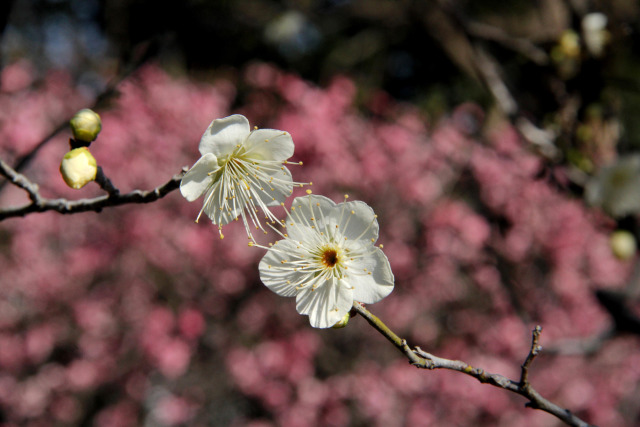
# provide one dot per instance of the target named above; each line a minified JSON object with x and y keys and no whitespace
{"x":137,"y":315}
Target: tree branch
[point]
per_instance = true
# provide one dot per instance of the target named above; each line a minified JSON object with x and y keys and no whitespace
{"x":523,"y":46}
{"x":95,"y":204}
{"x":21,"y":181}
{"x":424,"y":360}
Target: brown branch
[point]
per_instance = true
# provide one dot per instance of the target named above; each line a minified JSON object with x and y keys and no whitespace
{"x":95,"y":204}
{"x":523,"y":46}
{"x":105,"y":183}
{"x":462,"y":41}
{"x":21,"y":181}
{"x":424,"y":360}
{"x":491,"y":75}
{"x":535,"y":350}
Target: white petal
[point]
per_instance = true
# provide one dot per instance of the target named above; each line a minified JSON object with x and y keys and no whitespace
{"x":371,"y":288}
{"x":305,"y":208}
{"x":272,"y":272}
{"x":281,"y":190}
{"x":326,"y":305}
{"x":269,"y":144}
{"x":362,"y":223}
{"x":217,"y":198}
{"x":196,"y":182}
{"x":223,"y":135}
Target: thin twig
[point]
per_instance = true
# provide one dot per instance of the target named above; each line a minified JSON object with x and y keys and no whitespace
{"x":535,"y":350}
{"x":424,"y":360}
{"x":521,"y":45}
{"x":95,"y":204}
{"x":491,"y":74}
{"x":105,"y":183}
{"x":21,"y":181}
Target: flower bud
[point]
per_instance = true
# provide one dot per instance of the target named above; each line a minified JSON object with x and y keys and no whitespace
{"x":342,"y":322}
{"x":86,"y":125}
{"x":623,"y":244}
{"x":78,"y":167}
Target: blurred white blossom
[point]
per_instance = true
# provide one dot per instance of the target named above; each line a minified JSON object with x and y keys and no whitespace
{"x":616,"y":188}
{"x":595,"y":34}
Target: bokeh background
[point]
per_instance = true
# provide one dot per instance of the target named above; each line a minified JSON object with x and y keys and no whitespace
{"x":495,"y":141}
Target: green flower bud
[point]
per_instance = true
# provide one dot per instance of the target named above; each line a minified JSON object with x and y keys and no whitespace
{"x":623,"y":244}
{"x":342,"y":322}
{"x":78,"y":167}
{"x":86,"y":125}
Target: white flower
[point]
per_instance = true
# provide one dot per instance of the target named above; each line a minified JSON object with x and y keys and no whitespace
{"x":594,"y":30}
{"x":616,"y":188}
{"x":327,"y":259}
{"x":240,"y":171}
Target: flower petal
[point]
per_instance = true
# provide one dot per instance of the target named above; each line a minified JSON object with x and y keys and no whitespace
{"x":363,"y":224}
{"x":196,"y":182}
{"x":303,"y":209}
{"x":371,"y":288}
{"x":219,"y":206}
{"x":223,"y":135}
{"x":326,"y":305}
{"x":281,"y":280}
{"x":269,"y":144}
{"x":279,"y":189}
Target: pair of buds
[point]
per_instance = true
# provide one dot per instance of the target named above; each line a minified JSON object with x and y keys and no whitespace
{"x":78,"y":166}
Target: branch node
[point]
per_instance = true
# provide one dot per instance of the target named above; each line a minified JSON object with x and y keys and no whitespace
{"x":105,"y":183}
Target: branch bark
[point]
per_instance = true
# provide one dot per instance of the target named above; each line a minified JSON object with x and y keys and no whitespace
{"x":421,"y":359}
{"x":64,"y":206}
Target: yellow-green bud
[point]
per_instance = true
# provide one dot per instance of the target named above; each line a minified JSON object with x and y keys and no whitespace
{"x":78,"y":167}
{"x":623,"y":244}
{"x":342,"y":322}
{"x":570,"y":44}
{"x":86,"y":125}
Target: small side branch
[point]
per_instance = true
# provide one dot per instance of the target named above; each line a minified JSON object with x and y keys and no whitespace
{"x":95,"y":204}
{"x":105,"y":183}
{"x":424,"y":360}
{"x":535,"y":350}
{"x":21,"y":181}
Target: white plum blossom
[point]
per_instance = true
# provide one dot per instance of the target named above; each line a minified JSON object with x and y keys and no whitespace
{"x":240,"y":171}
{"x":615,"y":188}
{"x":594,"y":31}
{"x":327,"y":259}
